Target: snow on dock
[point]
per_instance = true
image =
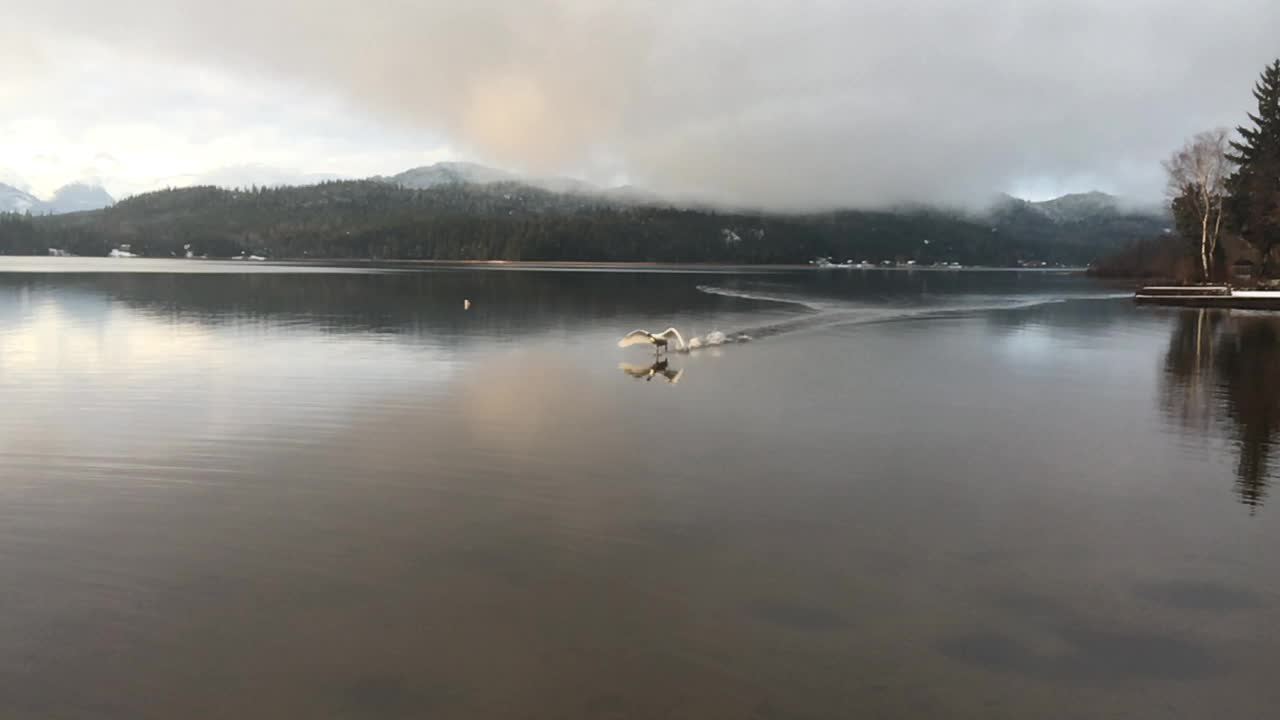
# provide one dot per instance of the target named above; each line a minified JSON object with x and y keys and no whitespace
{"x":1211,"y":296}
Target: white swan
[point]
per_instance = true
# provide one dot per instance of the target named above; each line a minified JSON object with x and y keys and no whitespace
{"x":659,"y":340}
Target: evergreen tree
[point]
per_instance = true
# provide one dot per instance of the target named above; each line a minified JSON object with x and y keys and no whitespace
{"x":1255,"y":187}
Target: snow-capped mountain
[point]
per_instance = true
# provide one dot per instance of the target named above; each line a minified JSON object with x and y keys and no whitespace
{"x":14,"y":200}
{"x":68,"y":198}
{"x":77,"y":197}
{"x":451,"y":173}
{"x":466,"y":173}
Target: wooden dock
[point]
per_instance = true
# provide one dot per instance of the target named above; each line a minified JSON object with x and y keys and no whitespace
{"x":1208,"y":296}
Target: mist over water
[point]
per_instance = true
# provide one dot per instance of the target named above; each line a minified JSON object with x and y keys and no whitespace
{"x":911,"y":494}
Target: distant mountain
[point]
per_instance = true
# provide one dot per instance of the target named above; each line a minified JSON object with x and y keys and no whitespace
{"x":1078,"y":206}
{"x":78,"y":197}
{"x":1092,"y":218}
{"x":1075,"y":207}
{"x":449,"y":173}
{"x":1088,"y":207}
{"x":18,"y":201}
{"x":465,"y":173}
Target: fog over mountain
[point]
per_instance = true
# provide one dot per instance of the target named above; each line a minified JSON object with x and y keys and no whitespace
{"x":787,"y":105}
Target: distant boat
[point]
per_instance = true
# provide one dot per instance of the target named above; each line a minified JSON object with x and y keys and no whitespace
{"x":118,"y":253}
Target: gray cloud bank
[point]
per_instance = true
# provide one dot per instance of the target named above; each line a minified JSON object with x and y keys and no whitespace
{"x":796,"y":104}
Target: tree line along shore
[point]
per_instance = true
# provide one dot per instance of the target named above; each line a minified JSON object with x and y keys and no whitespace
{"x":1224,"y":195}
{"x":368,"y":219}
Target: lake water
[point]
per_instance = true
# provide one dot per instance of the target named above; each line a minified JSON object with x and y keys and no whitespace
{"x":237,"y":490}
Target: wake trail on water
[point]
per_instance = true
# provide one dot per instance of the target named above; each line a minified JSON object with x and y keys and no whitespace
{"x":761,"y":296}
{"x":819,"y":315}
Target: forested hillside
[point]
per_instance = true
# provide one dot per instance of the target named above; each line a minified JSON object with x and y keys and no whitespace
{"x":512,"y":221}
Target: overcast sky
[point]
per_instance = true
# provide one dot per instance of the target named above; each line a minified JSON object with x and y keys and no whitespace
{"x":796,"y":103}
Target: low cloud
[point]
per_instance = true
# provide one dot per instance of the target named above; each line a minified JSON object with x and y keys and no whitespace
{"x":800,"y":104}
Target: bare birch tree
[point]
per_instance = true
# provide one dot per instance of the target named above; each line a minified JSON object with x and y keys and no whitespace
{"x":1197,"y":187}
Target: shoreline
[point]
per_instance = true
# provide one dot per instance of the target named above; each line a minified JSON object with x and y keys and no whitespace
{"x":547,"y":264}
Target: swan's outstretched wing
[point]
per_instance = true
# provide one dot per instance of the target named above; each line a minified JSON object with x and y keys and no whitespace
{"x":670,"y":333}
{"x":635,"y":337}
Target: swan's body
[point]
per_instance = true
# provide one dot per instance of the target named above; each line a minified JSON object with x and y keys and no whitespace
{"x":660,"y":341}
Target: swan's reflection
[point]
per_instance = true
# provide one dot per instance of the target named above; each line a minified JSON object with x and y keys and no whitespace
{"x":660,"y":368}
